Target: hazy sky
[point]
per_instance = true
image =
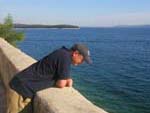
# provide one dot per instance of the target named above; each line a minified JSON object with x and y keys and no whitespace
{"x":77,"y":12}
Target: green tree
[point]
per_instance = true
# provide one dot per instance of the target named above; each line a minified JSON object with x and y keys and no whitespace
{"x":7,"y":31}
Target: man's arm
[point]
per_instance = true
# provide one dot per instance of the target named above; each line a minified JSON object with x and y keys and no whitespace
{"x":64,"y":83}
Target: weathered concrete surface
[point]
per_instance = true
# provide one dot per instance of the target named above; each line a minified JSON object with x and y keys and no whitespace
{"x":2,"y":98}
{"x":12,"y":60}
{"x":66,"y":100}
{"x":52,"y":100}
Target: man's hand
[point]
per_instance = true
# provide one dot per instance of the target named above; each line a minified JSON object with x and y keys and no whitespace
{"x":69,"y":82}
{"x":64,"y":83}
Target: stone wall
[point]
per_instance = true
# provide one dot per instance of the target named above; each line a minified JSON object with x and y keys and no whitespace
{"x":51,"y":100}
{"x":12,"y":60}
{"x":2,"y":98}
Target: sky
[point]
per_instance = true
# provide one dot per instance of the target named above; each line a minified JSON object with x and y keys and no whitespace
{"x":90,"y":13}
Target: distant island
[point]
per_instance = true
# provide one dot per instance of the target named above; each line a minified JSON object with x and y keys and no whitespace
{"x":44,"y":26}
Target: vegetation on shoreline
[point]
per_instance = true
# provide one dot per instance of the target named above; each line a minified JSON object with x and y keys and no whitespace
{"x":8,"y":32}
{"x":43,"y":26}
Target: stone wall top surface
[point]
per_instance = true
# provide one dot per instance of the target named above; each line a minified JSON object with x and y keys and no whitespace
{"x":66,"y":100}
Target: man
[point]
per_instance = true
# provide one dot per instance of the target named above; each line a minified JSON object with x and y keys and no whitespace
{"x":53,"y":69}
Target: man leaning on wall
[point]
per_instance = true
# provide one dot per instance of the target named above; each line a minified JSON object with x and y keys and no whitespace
{"x":52,"y":70}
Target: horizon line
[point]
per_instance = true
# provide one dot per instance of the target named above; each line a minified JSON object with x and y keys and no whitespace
{"x":119,"y":25}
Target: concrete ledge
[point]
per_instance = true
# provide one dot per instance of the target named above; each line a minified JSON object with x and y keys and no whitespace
{"x":12,"y":60}
{"x":66,"y":100}
{"x":51,"y":100}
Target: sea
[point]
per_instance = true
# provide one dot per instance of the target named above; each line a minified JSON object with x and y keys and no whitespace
{"x":118,"y":81}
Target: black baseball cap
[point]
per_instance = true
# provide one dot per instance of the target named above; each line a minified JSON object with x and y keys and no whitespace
{"x":83,"y":50}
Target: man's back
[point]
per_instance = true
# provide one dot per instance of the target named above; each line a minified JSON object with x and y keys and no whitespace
{"x":43,"y":74}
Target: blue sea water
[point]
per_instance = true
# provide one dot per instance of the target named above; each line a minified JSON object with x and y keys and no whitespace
{"x":119,"y":78}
